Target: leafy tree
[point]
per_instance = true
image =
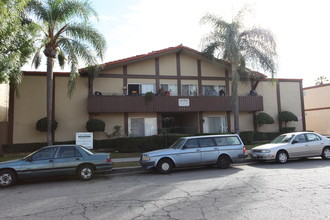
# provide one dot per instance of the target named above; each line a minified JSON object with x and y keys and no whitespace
{"x":95,"y":125}
{"x":16,"y":40}
{"x":42,"y":124}
{"x":286,"y":116}
{"x":264,"y":118}
{"x":68,"y":36}
{"x":321,"y":80}
{"x":229,"y":41}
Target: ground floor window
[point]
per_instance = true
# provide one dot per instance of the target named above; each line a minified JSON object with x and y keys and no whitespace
{"x":216,"y":125}
{"x":142,"y":126}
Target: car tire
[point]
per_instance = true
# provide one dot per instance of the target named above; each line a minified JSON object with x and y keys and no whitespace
{"x":224,"y":162}
{"x":282,"y":157}
{"x":165,"y":166}
{"x":326,"y":153}
{"x":86,"y":172}
{"x":7,"y":178}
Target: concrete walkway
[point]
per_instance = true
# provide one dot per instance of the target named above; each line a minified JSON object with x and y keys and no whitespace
{"x":130,"y":159}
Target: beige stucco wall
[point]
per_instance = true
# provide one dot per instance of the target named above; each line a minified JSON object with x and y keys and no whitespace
{"x":213,"y":83}
{"x":116,"y":70}
{"x":30,"y":106}
{"x":168,"y":81}
{"x":70,"y":113}
{"x":209,"y":69}
{"x":291,"y":101}
{"x":188,"y":65}
{"x":4,"y":102}
{"x":244,"y":88}
{"x":318,"y":121}
{"x":167,"y":65}
{"x":245,"y":121}
{"x":141,"y":81}
{"x":108,"y":85}
{"x":110,"y":120}
{"x":312,"y":97}
{"x":146,"y":67}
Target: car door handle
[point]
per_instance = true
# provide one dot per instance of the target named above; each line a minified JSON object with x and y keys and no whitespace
{"x":77,"y":158}
{"x":51,"y":160}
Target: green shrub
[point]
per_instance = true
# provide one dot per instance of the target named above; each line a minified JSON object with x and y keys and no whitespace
{"x":42,"y":124}
{"x":286,"y":117}
{"x":265,"y":136}
{"x":288,"y":129}
{"x":263,"y":118}
{"x":246,"y":136}
{"x":95,"y":125}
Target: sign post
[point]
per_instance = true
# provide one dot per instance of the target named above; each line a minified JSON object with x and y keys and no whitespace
{"x":85,"y":139}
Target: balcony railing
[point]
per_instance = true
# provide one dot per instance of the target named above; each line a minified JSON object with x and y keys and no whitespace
{"x":111,"y":104}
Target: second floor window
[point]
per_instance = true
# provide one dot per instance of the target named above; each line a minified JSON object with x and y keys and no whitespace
{"x":140,"y":89}
{"x":189,"y":90}
{"x":214,"y":90}
{"x":169,"y":89}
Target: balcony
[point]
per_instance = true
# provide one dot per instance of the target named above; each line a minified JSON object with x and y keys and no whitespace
{"x":112,"y":104}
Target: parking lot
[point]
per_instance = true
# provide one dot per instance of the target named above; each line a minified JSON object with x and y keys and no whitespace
{"x":297,"y":190}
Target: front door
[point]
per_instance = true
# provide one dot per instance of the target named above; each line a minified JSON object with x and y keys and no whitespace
{"x":190,"y":153}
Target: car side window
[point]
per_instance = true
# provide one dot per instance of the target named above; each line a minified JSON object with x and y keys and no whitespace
{"x":207,"y":142}
{"x":44,"y":154}
{"x":300,"y":138}
{"x":223,"y":141}
{"x":191,"y":143}
{"x":312,"y":137}
{"x":68,"y":152}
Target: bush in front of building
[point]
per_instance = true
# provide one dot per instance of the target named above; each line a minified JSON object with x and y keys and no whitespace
{"x":288,"y":129}
{"x":95,"y":125}
{"x":263,"y":118}
{"x":286,"y":117}
{"x":265,"y":136}
{"x":246,"y":136}
{"x":42,"y":124}
{"x":27,"y":147}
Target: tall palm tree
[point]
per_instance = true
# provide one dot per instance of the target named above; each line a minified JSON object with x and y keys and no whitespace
{"x":230,"y":42}
{"x":66,"y":35}
{"x":321,"y":80}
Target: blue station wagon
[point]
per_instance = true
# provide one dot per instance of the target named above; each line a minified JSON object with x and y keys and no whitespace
{"x":220,"y":150}
{"x":55,"y":161}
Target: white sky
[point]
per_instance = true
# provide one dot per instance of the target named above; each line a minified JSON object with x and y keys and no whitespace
{"x":301,"y":28}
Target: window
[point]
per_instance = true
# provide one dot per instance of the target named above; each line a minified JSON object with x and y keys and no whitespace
{"x":169,"y":89}
{"x":189,"y":90}
{"x":312,"y":137}
{"x":216,"y":125}
{"x":301,"y":138}
{"x":191,"y":143}
{"x":210,"y":90}
{"x":223,"y":141}
{"x":207,"y":142}
{"x":140,"y":89}
{"x":44,"y":154}
{"x":68,"y":152}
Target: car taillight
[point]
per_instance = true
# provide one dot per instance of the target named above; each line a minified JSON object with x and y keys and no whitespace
{"x":108,"y":160}
{"x":244,"y":150}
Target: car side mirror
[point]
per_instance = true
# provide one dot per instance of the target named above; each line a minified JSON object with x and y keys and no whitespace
{"x":29,"y":159}
{"x":294,"y":142}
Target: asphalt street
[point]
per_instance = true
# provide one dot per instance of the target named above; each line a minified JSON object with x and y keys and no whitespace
{"x":297,"y":190}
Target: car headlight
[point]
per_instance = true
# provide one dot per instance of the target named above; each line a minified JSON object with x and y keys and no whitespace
{"x":265,"y":151}
{"x":145,"y":157}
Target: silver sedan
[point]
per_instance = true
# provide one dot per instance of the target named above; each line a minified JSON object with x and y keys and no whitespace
{"x":293,"y":145}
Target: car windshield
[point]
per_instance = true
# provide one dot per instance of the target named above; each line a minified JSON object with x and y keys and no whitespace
{"x":88,"y":151}
{"x":178,"y":144}
{"x":285,"y":138}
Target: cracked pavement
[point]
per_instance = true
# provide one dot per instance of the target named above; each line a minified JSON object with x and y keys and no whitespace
{"x":297,"y":190}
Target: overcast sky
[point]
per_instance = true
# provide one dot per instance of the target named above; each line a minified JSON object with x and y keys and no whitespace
{"x":301,"y":28}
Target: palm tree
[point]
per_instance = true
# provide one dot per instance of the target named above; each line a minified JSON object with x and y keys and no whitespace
{"x":67,"y":36}
{"x":230,"y":42}
{"x":321,"y":80}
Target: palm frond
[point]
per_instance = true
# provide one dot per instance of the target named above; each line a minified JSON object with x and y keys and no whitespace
{"x":36,"y":60}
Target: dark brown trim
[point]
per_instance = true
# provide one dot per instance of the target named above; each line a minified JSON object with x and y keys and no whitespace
{"x":228,"y":122}
{"x":199,"y":76}
{"x":178,"y":71}
{"x":317,"y":109}
{"x":282,"y":80}
{"x":53,"y":109}
{"x":302,"y":106}
{"x":201,"y":122}
{"x":227,"y":82}
{"x":126,"y":123}
{"x":124,"y":76}
{"x":157,"y":73}
{"x":318,"y":86}
{"x":279,"y":107}
{"x":10,"y":137}
{"x":42,"y":73}
{"x":255,"y":126}
{"x":159,"y":122}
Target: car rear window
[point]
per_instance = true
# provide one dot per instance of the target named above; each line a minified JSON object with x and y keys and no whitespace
{"x":230,"y":140}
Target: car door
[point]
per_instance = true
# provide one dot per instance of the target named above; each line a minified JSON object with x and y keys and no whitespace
{"x":209,"y":150}
{"x":67,"y":160}
{"x":315,"y":143}
{"x":299,"y":146}
{"x":39,"y":164}
{"x":190,"y":153}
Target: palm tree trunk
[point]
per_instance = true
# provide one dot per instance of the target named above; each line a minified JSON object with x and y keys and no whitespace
{"x":235,"y":97}
{"x":50,"y":64}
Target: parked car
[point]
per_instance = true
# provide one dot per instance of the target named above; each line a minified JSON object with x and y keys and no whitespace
{"x":55,"y":161}
{"x":221,"y":150}
{"x":293,"y":145}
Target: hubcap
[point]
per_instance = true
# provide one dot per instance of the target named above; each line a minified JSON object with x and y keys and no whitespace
{"x":5,"y":179}
{"x":327,"y":153}
{"x":282,"y":157}
{"x":86,"y":173}
{"x":165,"y":166}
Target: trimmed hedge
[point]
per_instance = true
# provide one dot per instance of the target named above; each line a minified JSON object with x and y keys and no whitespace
{"x":288,"y":129}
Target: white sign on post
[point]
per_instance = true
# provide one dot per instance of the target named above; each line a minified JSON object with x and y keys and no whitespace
{"x":85,"y":139}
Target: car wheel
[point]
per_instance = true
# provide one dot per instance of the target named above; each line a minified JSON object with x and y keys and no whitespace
{"x":326,"y":153}
{"x":282,"y":157}
{"x":224,"y":162}
{"x":86,"y":172}
{"x":7,"y":178}
{"x":165,"y":166}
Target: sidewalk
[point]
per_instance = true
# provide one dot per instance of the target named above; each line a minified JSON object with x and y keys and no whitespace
{"x":130,"y":159}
